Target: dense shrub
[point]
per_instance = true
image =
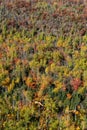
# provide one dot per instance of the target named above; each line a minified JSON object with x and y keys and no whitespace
{"x":43,"y":76}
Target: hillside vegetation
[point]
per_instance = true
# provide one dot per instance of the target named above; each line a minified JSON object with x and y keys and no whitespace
{"x":43,"y":65}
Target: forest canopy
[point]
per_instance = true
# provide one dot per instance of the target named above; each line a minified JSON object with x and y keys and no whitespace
{"x":43,"y":65}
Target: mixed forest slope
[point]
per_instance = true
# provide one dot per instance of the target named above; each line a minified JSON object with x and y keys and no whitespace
{"x":43,"y":65}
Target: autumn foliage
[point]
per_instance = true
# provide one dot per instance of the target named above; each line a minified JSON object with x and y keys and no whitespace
{"x":43,"y":65}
